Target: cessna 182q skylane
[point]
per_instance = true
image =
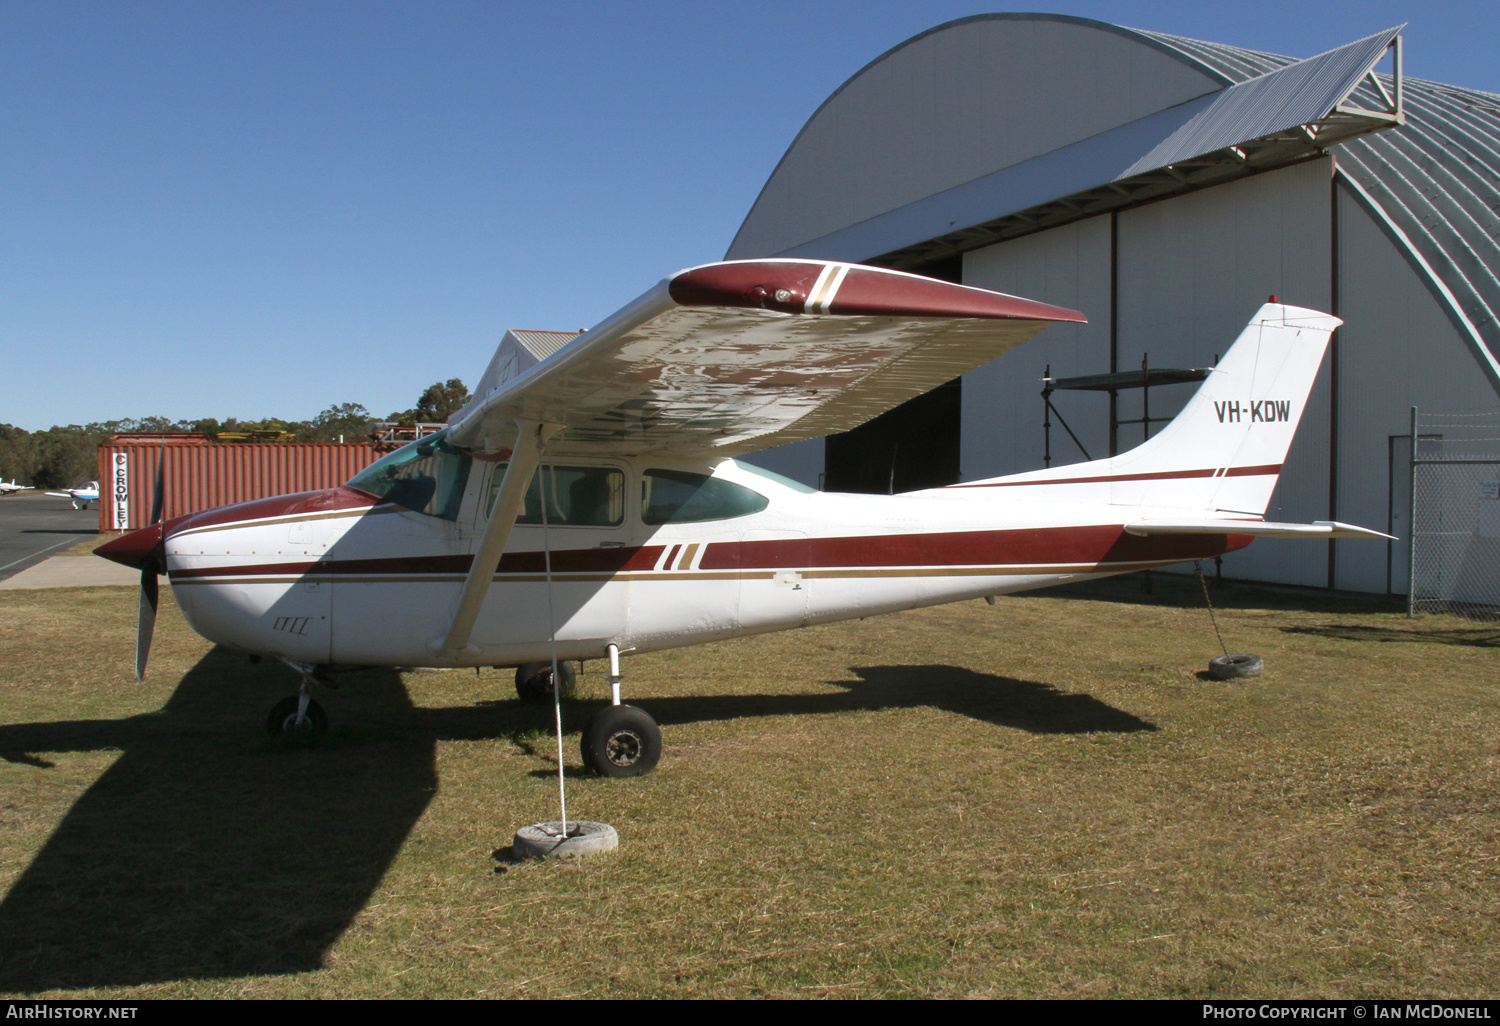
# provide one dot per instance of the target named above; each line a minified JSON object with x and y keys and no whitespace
{"x":590,"y":501}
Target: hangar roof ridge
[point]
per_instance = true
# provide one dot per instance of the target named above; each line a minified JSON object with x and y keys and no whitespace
{"x":1161,"y":43}
{"x":1288,"y":114}
{"x":1433,"y":184}
{"x":807,"y":205}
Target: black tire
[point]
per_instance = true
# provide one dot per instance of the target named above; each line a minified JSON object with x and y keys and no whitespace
{"x":621,"y":741}
{"x":1235,"y":667}
{"x":534,"y":681}
{"x":282,"y":721}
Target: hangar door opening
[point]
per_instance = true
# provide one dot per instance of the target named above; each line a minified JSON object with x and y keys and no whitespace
{"x":914,"y":446}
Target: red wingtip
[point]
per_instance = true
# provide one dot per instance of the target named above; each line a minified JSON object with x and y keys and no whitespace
{"x":802,"y":286}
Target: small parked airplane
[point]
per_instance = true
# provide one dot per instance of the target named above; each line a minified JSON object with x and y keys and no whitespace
{"x":81,"y":496}
{"x":589,"y":505}
{"x":10,"y":487}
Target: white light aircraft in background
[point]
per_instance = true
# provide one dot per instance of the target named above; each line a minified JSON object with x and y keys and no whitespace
{"x":82,"y":496}
{"x":589,"y":506}
{"x":10,"y":487}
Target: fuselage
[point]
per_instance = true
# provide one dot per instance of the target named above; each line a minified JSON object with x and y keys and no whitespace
{"x":643,"y":553}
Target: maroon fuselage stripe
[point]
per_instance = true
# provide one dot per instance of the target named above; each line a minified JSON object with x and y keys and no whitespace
{"x":1037,"y":546}
{"x":1160,"y":475}
{"x":1047,"y":546}
{"x":565,"y":561}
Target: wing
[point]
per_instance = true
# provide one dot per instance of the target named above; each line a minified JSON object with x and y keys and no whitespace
{"x":738,"y":356}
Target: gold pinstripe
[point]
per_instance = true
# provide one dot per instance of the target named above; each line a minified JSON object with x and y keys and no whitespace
{"x":695,"y":575}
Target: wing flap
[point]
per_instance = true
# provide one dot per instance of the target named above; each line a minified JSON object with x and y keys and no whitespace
{"x":733,"y":357}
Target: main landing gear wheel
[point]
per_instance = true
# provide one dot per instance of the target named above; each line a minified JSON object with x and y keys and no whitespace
{"x":534,"y":681}
{"x":621,"y":741}
{"x":283,"y":720}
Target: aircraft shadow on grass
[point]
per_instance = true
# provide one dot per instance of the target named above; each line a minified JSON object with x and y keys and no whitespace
{"x":1476,"y":637}
{"x":1004,"y":701}
{"x":205,"y":852}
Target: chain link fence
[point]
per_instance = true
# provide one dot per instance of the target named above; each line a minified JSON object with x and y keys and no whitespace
{"x":1455,"y":514}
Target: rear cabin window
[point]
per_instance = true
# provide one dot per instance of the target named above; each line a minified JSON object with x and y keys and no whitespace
{"x":680,"y":497}
{"x":575,"y":496}
{"x":426,"y":476}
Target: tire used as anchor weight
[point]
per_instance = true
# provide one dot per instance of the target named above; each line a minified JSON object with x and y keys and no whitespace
{"x":621,"y":741}
{"x":283,"y":719}
{"x":534,"y":681}
{"x":1234,"y":667}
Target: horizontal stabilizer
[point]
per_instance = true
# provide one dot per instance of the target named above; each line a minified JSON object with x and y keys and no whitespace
{"x":1258,"y":528}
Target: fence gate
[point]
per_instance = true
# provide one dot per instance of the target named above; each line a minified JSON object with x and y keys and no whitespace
{"x":1455,"y":514}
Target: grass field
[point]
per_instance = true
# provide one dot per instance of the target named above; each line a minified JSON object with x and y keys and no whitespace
{"x":1037,"y":799}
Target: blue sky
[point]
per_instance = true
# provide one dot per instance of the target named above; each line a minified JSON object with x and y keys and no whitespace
{"x":262,"y":208}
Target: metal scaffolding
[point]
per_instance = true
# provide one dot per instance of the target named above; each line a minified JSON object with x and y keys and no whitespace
{"x":1145,"y":379}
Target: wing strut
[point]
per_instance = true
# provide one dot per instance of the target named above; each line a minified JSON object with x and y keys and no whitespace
{"x":531,"y":437}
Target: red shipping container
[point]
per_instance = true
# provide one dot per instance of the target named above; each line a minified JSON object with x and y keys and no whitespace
{"x":204,"y":475}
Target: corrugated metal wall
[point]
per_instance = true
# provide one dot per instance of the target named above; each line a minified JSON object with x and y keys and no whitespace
{"x":204,"y":476}
{"x":1002,"y":411}
{"x":1397,"y":349}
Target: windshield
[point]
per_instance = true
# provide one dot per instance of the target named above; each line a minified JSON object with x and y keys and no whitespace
{"x":426,"y":476}
{"x":771,"y":475}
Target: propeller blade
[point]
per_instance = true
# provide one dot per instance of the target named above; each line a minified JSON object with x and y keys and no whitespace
{"x":145,"y":620}
{"x":158,"y":494}
{"x":145,"y":624}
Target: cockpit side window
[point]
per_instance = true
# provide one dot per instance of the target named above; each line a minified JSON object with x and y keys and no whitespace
{"x":575,"y":496}
{"x":682,"y":497}
{"x":426,"y":476}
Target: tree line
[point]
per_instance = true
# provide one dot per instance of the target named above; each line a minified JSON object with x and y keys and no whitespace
{"x":64,"y":456}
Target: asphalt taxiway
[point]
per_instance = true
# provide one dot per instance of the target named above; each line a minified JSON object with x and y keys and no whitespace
{"x":34,"y":527}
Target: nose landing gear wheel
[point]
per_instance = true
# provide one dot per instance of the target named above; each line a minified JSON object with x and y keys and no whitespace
{"x":621,"y":741}
{"x":283,"y":720}
{"x":534,"y":681}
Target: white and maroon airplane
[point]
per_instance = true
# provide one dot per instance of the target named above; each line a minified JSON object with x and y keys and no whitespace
{"x":590,"y":506}
{"x":82,"y":495}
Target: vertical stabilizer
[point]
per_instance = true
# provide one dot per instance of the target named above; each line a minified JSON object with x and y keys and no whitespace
{"x":1225,"y":450}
